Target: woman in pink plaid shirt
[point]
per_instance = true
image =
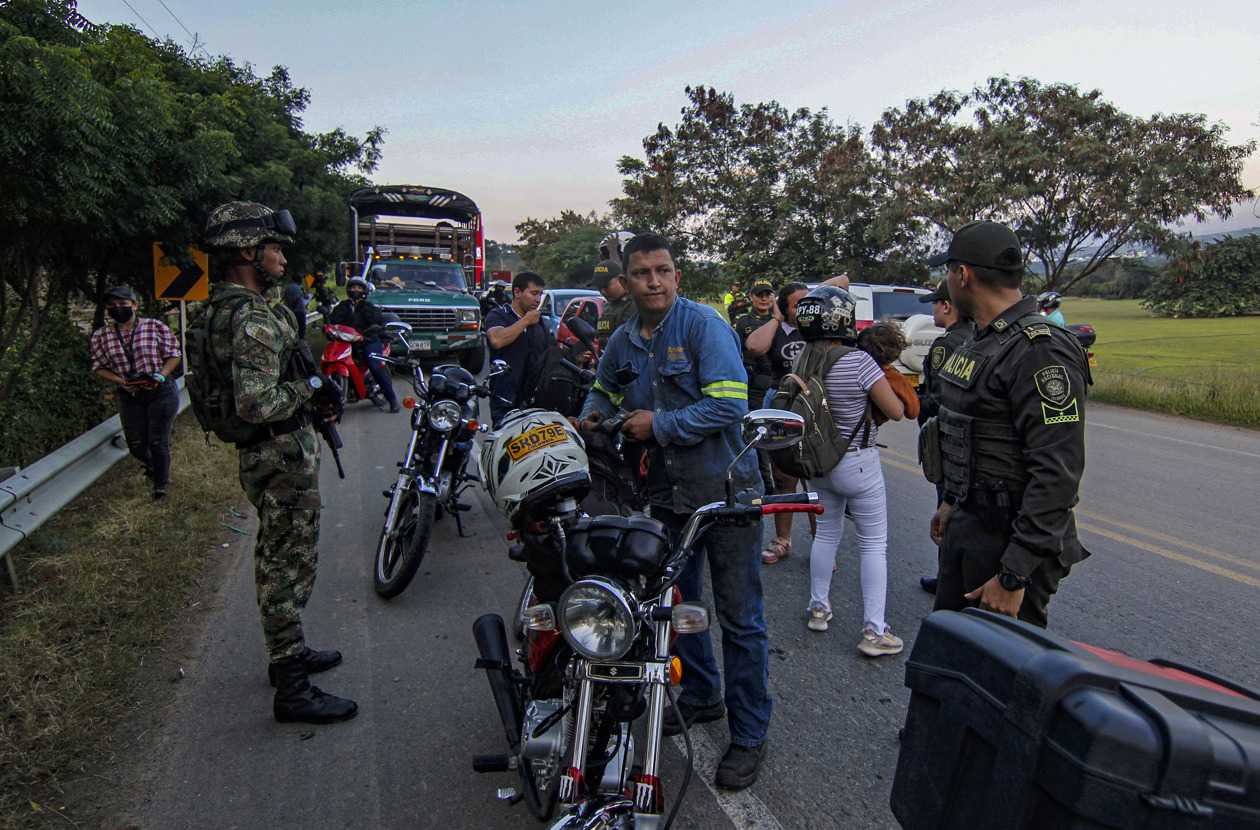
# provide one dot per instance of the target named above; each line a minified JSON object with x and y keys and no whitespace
{"x":139,"y":355}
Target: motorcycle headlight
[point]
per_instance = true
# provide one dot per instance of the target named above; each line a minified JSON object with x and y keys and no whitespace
{"x":468,"y":316}
{"x":597,"y":618}
{"x":444,"y":416}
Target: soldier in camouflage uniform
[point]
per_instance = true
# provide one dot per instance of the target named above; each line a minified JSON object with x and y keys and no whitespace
{"x":252,"y":343}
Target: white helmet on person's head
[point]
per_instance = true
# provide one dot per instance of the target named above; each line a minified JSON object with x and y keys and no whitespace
{"x":534,"y":460}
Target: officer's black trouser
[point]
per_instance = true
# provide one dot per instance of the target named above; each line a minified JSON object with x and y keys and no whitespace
{"x":971,"y":555}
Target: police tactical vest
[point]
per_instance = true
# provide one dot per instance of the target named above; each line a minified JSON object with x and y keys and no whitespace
{"x":981,"y":450}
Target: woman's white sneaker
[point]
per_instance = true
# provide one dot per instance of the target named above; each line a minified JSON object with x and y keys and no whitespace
{"x":818,"y":617}
{"x":877,"y":645}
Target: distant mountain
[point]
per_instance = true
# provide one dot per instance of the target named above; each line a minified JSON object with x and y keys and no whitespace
{"x":1146,"y":251}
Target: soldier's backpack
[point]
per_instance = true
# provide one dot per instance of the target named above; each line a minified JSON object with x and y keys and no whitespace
{"x":209,"y":386}
{"x":803,"y":392}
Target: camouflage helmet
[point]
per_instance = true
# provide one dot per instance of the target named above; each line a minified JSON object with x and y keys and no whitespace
{"x":246,"y":224}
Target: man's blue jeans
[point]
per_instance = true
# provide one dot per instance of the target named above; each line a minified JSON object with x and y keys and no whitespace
{"x":734,"y":558}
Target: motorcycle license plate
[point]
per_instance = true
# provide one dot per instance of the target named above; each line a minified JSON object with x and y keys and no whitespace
{"x":544,"y":436}
{"x":421,"y":345}
{"x":914,"y":380}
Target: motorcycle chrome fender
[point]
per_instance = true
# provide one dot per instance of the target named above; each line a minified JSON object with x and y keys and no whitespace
{"x":601,"y":812}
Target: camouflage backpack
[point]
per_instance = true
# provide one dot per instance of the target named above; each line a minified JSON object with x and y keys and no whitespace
{"x":209,"y":383}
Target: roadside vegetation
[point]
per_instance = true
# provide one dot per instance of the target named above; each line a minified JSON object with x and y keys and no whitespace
{"x":100,"y":583}
{"x":1200,"y":368}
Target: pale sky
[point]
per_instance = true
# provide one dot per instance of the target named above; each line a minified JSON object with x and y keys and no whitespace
{"x":526,"y":106}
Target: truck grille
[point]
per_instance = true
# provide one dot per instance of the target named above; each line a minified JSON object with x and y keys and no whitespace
{"x":427,"y":319}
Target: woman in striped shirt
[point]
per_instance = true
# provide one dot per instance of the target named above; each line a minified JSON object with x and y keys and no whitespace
{"x":857,"y":482}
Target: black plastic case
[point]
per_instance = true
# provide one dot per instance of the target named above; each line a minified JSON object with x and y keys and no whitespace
{"x":1011,"y":726}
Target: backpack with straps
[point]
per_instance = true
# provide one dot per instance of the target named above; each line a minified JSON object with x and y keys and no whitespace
{"x":803,"y":392}
{"x":210,"y":388}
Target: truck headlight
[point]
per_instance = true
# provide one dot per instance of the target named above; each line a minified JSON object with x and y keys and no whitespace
{"x":597,"y":618}
{"x":468,"y":317}
{"x":444,"y":416}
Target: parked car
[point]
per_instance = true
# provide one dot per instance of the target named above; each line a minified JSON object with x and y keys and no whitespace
{"x":588,"y":308}
{"x":554,"y":302}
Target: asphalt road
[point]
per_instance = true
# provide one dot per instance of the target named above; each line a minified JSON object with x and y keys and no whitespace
{"x":1167,"y":512}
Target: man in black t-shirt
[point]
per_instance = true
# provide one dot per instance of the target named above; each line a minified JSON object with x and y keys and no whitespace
{"x":517,"y":335}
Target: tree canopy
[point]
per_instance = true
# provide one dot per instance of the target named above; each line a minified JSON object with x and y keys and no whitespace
{"x":1219,"y":280}
{"x":756,"y":188}
{"x":1067,"y":170}
{"x":112,"y":142}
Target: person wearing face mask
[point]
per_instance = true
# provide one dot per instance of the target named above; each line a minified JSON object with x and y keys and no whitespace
{"x":139,"y":355}
{"x":362,"y":315}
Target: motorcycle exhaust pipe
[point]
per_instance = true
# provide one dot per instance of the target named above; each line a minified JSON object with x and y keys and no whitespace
{"x":492,"y":645}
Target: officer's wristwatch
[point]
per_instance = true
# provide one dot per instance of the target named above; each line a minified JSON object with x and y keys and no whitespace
{"x":316,"y":382}
{"x":1012,"y":581}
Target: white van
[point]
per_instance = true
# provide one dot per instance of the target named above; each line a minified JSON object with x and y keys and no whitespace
{"x":899,"y":303}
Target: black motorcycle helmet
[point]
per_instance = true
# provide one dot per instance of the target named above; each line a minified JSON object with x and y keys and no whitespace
{"x":827,"y":313}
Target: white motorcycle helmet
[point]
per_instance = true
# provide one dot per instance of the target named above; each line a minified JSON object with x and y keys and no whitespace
{"x":531,"y":463}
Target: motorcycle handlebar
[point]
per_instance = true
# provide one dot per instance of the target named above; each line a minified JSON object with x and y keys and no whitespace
{"x":788,"y":498}
{"x":791,"y":508}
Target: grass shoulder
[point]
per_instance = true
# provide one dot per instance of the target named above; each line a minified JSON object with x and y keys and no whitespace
{"x":1208,"y":369}
{"x":101,"y":582}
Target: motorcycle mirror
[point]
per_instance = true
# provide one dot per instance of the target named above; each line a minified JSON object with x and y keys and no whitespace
{"x":498,"y":367}
{"x":582,"y":331}
{"x":772,"y":429}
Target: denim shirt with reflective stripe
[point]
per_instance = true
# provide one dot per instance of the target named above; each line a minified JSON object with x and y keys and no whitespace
{"x":692,"y":378}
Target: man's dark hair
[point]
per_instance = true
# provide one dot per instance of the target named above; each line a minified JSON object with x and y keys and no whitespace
{"x":646,"y":243}
{"x":992,"y":277}
{"x":525,"y":279}
{"x":884,"y":341}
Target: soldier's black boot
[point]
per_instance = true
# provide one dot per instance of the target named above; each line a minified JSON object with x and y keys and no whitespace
{"x":298,"y":701}
{"x":313,"y":661}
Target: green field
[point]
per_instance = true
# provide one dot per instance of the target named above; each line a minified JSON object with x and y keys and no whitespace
{"x":1207,"y":369}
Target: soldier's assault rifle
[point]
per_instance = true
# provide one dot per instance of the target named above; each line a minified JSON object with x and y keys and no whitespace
{"x":305,"y":365}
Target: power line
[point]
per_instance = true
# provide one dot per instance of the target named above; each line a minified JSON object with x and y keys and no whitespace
{"x":142,"y":20}
{"x":192,"y":39}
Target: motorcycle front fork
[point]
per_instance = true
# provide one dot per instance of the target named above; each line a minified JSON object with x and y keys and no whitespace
{"x":405,"y":476}
{"x":645,"y":788}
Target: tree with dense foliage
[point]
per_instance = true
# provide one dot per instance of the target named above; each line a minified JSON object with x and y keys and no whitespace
{"x":759,"y":189}
{"x":1219,"y":280}
{"x":112,"y":142}
{"x":1067,"y":170}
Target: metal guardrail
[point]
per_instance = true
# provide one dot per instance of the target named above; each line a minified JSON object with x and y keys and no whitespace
{"x":31,"y":496}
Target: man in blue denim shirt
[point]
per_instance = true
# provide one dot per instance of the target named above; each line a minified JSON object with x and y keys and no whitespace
{"x":675,"y":372}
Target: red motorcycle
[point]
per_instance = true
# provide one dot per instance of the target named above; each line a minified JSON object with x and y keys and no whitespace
{"x":352,"y":376}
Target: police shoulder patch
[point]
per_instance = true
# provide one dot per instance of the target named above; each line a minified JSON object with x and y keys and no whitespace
{"x":1053,"y":384}
{"x":938,"y":357}
{"x":1053,"y":415}
{"x":1038,"y":330}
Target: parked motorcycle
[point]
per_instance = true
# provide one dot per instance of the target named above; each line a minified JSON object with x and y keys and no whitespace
{"x":351,"y":376}
{"x":432,"y":472}
{"x":596,"y":672}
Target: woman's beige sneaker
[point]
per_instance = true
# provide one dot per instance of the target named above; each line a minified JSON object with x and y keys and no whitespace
{"x":779,"y":548}
{"x":877,"y":645}
{"x":818,"y":617}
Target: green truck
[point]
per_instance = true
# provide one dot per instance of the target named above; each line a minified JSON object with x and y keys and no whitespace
{"x":422,"y":250}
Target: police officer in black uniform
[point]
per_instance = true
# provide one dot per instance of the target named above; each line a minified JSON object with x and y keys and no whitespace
{"x":758,"y":365}
{"x":618,"y":305}
{"x":1011,"y":430}
{"x":958,"y":330}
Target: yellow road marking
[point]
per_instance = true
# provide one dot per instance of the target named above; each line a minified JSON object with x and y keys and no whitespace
{"x":1237,"y":560}
{"x":1168,"y":554}
{"x":1246,"y":579}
